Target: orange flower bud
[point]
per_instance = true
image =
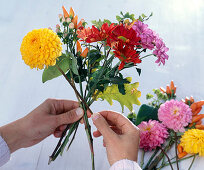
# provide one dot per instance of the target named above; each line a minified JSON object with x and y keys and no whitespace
{"x":66,"y":15}
{"x":162,"y":90}
{"x":79,"y":49}
{"x":181,"y":155}
{"x":71,"y":12}
{"x":168,"y":90}
{"x":75,"y":20}
{"x":191,"y":99}
{"x":197,"y":118}
{"x":172,"y":85}
{"x":201,"y":127}
{"x":179,"y":148}
{"x":199,"y":122}
{"x":85,"y":52}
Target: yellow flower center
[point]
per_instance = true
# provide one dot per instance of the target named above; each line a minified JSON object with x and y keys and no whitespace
{"x":176,"y":112}
{"x":123,"y":38}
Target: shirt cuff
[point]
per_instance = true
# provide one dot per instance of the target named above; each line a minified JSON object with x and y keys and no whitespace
{"x":125,"y":164}
{"x":4,"y":152}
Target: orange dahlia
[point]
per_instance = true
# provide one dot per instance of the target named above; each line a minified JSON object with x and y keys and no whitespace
{"x":93,"y":34}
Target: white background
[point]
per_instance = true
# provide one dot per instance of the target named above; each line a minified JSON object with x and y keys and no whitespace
{"x":179,"y":23}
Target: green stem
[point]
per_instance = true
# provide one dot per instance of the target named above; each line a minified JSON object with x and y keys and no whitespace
{"x":176,"y":150}
{"x":167,"y":157}
{"x":160,"y":156}
{"x":105,"y":65}
{"x":73,"y":137}
{"x":166,"y":164}
{"x":142,"y":159}
{"x":146,"y":56}
{"x":192,"y":162}
{"x":151,"y":158}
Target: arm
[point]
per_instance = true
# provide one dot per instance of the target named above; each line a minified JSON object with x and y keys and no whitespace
{"x":49,"y":118}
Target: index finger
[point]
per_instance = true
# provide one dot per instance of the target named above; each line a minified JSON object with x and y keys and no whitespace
{"x":62,"y":106}
{"x":119,"y":121}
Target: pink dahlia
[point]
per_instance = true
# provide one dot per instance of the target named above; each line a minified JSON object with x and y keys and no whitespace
{"x":175,"y":115}
{"x":152,"y":134}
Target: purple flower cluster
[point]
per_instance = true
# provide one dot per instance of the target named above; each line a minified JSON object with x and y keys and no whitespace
{"x":150,"y":40}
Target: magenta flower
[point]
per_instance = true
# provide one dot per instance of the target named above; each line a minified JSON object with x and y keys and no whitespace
{"x":160,"y":51}
{"x":152,"y":134}
{"x":175,"y":115}
{"x":150,"y":40}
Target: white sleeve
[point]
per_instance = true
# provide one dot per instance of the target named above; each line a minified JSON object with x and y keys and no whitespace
{"x":4,"y":152}
{"x":125,"y":164}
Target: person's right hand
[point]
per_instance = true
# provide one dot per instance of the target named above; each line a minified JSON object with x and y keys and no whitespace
{"x":121,"y":137}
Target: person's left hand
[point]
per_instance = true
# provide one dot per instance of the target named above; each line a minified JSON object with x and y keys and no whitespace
{"x":49,"y":118}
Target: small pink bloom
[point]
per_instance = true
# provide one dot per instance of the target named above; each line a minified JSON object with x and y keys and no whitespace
{"x":58,"y":26}
{"x":82,"y":20}
{"x":68,"y":19}
{"x":60,"y":16}
{"x":63,"y":20}
{"x":175,"y":115}
{"x":152,"y":134}
{"x":71,"y":25}
{"x":49,"y":28}
{"x":57,"y":30}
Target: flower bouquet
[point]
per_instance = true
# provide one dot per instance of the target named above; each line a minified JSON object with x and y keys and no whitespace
{"x":93,"y":61}
{"x":166,"y":121}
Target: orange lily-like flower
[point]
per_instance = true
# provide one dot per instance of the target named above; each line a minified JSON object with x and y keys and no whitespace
{"x":66,"y":14}
{"x":197,"y":118}
{"x":85,"y":52}
{"x":74,"y":18}
{"x":181,"y":153}
{"x":170,"y":90}
{"x":196,"y":107}
{"x":79,"y":49}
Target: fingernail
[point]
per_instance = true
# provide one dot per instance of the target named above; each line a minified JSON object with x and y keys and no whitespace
{"x":95,"y":116}
{"x":79,"y":111}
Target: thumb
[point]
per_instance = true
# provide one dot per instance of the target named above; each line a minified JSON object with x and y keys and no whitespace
{"x":103,"y":127}
{"x":69,"y":117}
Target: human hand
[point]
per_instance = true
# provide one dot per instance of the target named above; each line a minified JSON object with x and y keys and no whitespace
{"x":49,"y":118}
{"x":121,"y":137}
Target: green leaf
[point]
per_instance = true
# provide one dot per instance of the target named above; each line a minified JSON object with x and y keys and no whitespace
{"x":118,"y":80}
{"x":140,"y":18}
{"x":94,"y":56}
{"x":74,"y":66}
{"x":131,"y":95}
{"x":107,"y":21}
{"x":121,"y":88}
{"x":138,"y":70}
{"x":144,"y":16}
{"x":132,"y":117}
{"x":52,"y":72}
{"x":146,"y":113}
{"x":118,"y":18}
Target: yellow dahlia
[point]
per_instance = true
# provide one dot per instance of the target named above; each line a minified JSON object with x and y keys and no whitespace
{"x":193,"y":141}
{"x":40,"y":48}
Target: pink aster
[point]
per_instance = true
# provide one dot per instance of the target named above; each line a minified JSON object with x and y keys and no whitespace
{"x":175,"y":115}
{"x":152,"y":134}
{"x":147,"y":35}
{"x":150,"y":40}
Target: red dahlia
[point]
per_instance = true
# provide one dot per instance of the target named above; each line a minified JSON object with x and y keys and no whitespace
{"x":125,"y":35}
{"x":126,"y":54}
